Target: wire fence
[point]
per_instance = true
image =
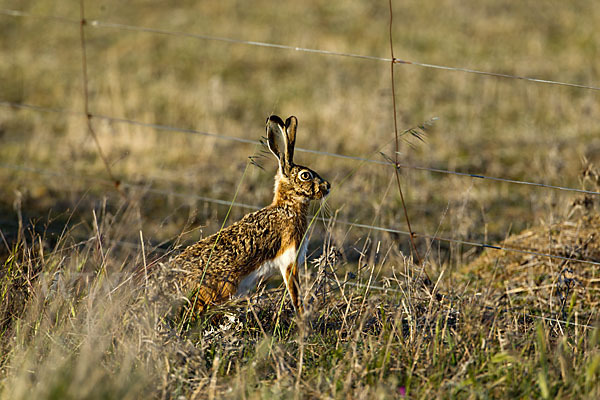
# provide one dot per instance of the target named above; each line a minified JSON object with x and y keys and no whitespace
{"x":106,"y":24}
{"x":385,"y":161}
{"x":149,"y":189}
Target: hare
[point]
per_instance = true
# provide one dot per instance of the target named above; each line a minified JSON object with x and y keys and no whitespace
{"x":232,"y":261}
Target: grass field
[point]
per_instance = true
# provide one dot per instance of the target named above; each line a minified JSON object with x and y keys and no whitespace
{"x":85,"y":292}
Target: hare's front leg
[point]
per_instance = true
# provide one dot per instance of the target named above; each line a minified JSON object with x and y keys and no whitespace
{"x":293,"y":285}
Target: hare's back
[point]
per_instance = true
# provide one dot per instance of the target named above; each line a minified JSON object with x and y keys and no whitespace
{"x":236,"y":250}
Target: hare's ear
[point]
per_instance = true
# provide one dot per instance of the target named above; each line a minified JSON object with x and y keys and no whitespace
{"x":290,"y":128}
{"x":278,"y":142}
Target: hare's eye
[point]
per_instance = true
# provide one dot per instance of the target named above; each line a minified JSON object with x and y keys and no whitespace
{"x":305,"y":175}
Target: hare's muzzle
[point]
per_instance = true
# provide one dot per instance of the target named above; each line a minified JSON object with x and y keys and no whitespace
{"x":324,"y":186}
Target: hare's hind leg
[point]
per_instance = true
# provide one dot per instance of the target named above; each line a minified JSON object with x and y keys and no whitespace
{"x":195,"y":306}
{"x":209,"y":294}
{"x":293,"y":285}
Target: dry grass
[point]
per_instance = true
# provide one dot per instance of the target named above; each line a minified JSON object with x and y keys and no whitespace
{"x":78,"y":318}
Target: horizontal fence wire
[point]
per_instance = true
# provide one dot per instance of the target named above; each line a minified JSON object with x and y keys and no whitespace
{"x":300,"y":149}
{"x":104,"y":24}
{"x":340,"y":285}
{"x":164,"y":192}
{"x":513,"y":313}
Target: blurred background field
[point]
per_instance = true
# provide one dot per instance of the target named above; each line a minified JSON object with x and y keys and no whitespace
{"x":53,"y":179}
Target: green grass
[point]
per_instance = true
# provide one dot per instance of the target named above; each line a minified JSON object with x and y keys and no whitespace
{"x":77,"y":319}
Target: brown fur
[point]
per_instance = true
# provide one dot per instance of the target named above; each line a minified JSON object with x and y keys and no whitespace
{"x":214,"y":267}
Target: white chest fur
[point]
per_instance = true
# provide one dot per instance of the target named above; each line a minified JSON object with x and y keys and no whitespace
{"x":268,"y":268}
